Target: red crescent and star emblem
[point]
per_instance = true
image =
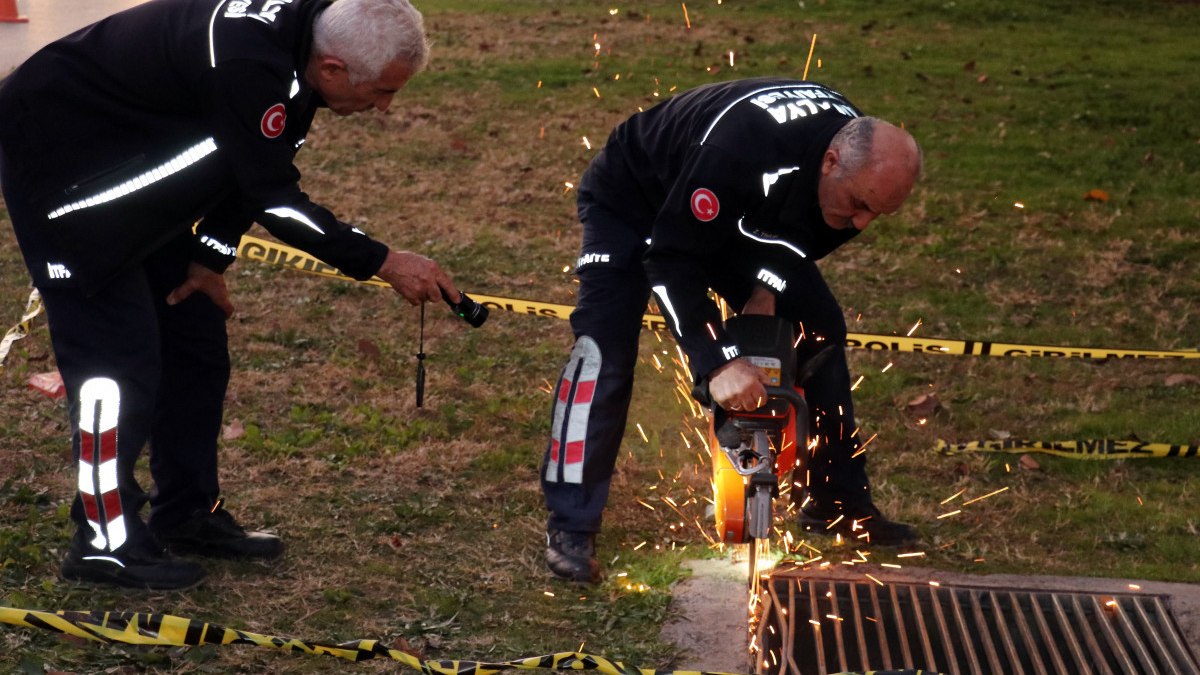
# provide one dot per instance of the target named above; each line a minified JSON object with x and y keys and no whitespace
{"x":273,"y":121}
{"x":705,"y":205}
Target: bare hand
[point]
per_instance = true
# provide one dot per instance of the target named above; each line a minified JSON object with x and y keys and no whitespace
{"x":208,"y":282}
{"x":416,"y":277}
{"x":738,"y":385}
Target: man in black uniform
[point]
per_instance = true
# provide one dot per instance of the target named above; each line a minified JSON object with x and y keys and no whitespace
{"x":739,"y":187}
{"x":116,"y":140}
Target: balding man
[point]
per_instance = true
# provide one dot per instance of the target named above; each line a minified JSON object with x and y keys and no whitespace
{"x":115,"y":141}
{"x":739,"y":187}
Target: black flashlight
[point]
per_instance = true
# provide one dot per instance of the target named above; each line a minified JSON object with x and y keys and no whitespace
{"x":472,"y":312}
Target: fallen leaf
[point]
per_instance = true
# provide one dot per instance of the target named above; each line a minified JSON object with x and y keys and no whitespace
{"x":924,"y":405}
{"x":1096,"y":195}
{"x":235,"y":429}
{"x":1028,"y":463}
{"x":369,"y":349}
{"x":1000,"y":434}
{"x":982,"y":79}
{"x":403,"y":645}
{"x":1179,"y":379}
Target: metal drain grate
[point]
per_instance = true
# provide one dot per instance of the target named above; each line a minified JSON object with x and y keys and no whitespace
{"x":815,"y":626}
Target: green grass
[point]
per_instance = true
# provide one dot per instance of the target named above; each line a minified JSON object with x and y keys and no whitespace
{"x":423,"y":527}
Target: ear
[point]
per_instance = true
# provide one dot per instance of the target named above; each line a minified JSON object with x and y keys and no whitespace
{"x":829,"y":162}
{"x":328,"y":67}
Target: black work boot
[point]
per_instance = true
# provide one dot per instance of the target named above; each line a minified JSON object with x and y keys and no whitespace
{"x":571,"y":556}
{"x":215,"y":534}
{"x":858,"y":523}
{"x":146,"y":566}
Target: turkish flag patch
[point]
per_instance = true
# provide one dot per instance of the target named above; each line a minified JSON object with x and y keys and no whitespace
{"x":273,"y":121}
{"x":705,"y":205}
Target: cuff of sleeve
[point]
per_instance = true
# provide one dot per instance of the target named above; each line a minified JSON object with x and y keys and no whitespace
{"x":376,"y":253}
{"x":718,"y":355}
{"x":213,"y":253}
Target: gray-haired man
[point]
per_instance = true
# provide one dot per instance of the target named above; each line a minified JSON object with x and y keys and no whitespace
{"x":116,"y":140}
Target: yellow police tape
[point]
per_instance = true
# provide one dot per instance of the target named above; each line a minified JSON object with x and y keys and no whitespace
{"x":33,"y":307}
{"x":1102,"y":448}
{"x":274,"y":253}
{"x":262,"y":250}
{"x":136,"y":628}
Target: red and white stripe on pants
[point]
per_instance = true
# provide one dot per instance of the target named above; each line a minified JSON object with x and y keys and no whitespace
{"x":99,"y":404}
{"x":571,"y":408}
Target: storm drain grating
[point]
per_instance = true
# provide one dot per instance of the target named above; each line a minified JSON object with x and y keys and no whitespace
{"x":816,"y":626}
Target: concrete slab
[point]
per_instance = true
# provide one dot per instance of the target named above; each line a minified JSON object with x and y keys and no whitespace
{"x":708,"y":610}
{"x":48,"y":21}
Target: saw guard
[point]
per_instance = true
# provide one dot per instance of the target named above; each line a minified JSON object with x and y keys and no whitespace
{"x":729,"y":494}
{"x":729,"y":486}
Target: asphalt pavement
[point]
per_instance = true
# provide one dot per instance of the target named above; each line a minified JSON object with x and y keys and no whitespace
{"x":48,"y":21}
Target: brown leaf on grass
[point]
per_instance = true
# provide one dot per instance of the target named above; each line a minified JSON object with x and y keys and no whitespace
{"x":1096,"y":195}
{"x":1028,"y":463}
{"x":403,"y":645}
{"x":1180,"y":379}
{"x":925,"y":405}
{"x":962,"y":469}
{"x":369,"y":349}
{"x":233,"y":430}
{"x":969,"y":66}
{"x":982,"y":79}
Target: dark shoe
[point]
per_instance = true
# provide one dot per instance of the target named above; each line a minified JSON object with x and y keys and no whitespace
{"x":571,"y":556}
{"x":147,"y":568}
{"x":864,"y":524}
{"x":215,"y":534}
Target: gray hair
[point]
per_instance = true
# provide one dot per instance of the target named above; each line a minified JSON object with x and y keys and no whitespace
{"x":368,"y":35}
{"x":854,"y":141}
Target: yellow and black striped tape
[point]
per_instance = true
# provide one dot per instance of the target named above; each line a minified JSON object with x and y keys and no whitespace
{"x":1102,"y":448}
{"x":136,"y":628}
{"x":986,"y":348}
{"x":33,"y":307}
{"x":274,"y":253}
{"x":262,"y":250}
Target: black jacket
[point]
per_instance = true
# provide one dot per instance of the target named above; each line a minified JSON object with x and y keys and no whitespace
{"x":707,"y":171}
{"x":130,"y":130}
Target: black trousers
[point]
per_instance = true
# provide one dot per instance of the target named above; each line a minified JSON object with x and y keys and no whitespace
{"x":163,"y":368}
{"x":591,"y":400}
